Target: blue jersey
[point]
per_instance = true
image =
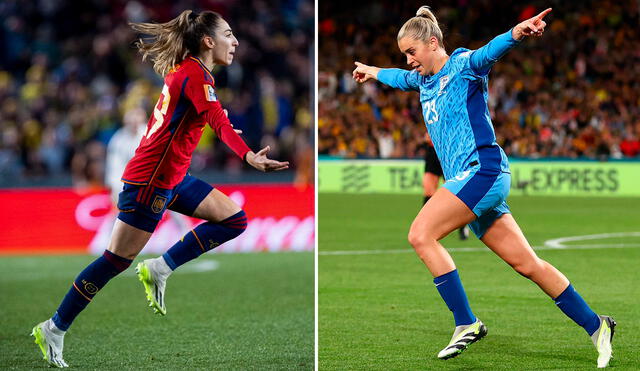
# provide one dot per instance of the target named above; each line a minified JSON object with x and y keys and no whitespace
{"x":454,"y":107}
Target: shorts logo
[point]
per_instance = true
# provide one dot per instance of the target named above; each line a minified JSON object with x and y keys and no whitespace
{"x":210,"y":93}
{"x":158,"y":204}
{"x":464,"y":175}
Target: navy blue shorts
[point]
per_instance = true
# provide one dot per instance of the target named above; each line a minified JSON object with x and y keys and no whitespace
{"x":142,"y":206}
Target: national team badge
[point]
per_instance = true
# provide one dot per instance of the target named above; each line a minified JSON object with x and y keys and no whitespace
{"x":158,"y":204}
{"x":444,"y":80}
{"x":210,"y":93}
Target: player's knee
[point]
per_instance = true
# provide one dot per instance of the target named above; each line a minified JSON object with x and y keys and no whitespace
{"x":529,"y":268}
{"x":235,"y":224}
{"x":419,"y":239}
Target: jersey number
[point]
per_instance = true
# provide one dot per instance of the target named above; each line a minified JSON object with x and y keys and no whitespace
{"x":158,"y":113}
{"x":430,"y":113}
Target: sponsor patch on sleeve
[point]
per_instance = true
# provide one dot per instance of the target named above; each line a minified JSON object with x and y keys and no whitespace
{"x":210,"y":93}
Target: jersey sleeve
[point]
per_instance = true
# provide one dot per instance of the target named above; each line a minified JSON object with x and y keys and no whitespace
{"x":201,"y":93}
{"x":220,"y":123}
{"x":481,"y":60}
{"x":399,"y":79}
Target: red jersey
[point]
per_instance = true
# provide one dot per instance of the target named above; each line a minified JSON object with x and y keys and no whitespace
{"x":188,"y":101}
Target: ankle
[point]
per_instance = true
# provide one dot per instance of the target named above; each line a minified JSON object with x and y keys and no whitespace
{"x":51,"y":327}
{"x":162,"y":267}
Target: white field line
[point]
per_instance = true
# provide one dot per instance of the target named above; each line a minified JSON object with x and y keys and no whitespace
{"x":558,"y":243}
{"x":554,"y":244}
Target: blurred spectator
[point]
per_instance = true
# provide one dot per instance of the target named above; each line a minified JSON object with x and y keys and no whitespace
{"x":122,"y":147}
{"x":69,"y":73}
{"x":575,"y":92}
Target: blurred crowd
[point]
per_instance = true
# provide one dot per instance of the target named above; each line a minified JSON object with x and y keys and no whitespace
{"x":69,"y":73}
{"x":573,"y":93}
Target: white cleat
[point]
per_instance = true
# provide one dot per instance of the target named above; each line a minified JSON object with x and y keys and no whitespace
{"x":602,"y":339}
{"x":463,"y":336}
{"x":153,"y":275}
{"x":50,"y":343}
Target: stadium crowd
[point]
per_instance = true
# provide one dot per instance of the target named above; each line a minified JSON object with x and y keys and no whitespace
{"x":575,"y":92}
{"x":69,"y":73}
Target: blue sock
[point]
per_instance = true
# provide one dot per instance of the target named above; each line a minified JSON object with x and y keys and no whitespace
{"x":574,"y":306}
{"x":203,"y":238}
{"x":87,"y":285}
{"x":450,"y":288}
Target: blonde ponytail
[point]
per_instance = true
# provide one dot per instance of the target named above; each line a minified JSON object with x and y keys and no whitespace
{"x":422,"y":27}
{"x":426,"y":12}
{"x":170,"y":42}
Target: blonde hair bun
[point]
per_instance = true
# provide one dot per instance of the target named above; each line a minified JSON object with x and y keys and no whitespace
{"x":422,"y":26}
{"x":426,"y":12}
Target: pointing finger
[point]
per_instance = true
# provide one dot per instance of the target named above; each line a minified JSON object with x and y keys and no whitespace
{"x":543,"y":13}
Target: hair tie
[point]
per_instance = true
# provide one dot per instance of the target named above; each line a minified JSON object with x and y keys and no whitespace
{"x":193,"y":16}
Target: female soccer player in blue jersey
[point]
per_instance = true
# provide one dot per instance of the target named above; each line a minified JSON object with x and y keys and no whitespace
{"x":184,"y":51}
{"x":453,"y":93}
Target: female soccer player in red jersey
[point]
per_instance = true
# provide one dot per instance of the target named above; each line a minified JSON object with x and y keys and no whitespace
{"x":184,"y":51}
{"x":453,"y":94}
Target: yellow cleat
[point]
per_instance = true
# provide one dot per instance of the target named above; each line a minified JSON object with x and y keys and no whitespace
{"x":154,"y":286}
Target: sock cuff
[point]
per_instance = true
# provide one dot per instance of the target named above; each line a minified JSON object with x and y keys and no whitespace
{"x":59,"y":323}
{"x":117,"y":261}
{"x":446,"y":276}
{"x":568,"y":291}
{"x":167,"y":259}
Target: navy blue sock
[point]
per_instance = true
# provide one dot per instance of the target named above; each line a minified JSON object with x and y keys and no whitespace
{"x":574,"y":306}
{"x":87,"y":285}
{"x":203,"y":238}
{"x":450,"y":288}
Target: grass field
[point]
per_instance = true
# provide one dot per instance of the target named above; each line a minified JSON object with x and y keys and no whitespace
{"x":379,"y":310}
{"x":225,"y":312}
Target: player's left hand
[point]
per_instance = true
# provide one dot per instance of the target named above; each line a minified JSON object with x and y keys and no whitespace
{"x":261,"y":162}
{"x":531,"y":27}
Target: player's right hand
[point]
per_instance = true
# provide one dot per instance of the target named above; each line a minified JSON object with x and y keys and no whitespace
{"x":261,"y":162}
{"x":363,"y":72}
{"x":531,"y":27}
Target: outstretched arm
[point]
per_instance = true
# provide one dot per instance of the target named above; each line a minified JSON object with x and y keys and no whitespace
{"x":394,"y":77}
{"x":484,"y":58}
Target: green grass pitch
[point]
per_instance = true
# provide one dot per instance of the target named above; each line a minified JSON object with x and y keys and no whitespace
{"x":380,"y":310}
{"x":253,"y":312}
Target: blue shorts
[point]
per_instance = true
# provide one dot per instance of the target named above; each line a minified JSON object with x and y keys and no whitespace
{"x":142,"y":206}
{"x":484,"y":192}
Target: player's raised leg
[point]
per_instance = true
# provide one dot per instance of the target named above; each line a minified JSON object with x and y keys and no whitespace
{"x":506,"y":239}
{"x":225,"y":220}
{"x":126,"y":242}
{"x":440,"y":216}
